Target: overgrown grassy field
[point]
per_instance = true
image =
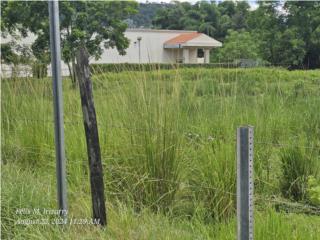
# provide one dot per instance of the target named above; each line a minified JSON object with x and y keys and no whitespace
{"x":168,"y":150}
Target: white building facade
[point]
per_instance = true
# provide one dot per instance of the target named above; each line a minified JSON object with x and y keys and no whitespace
{"x":147,"y":46}
{"x":163,"y":46}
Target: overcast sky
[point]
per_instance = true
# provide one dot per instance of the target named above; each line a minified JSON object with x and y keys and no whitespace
{"x":252,"y":3}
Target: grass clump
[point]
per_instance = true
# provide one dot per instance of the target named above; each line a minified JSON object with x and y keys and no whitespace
{"x":298,"y":165}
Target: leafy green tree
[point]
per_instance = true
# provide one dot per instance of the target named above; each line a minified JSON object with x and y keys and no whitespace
{"x":267,"y":27}
{"x":82,"y":23}
{"x":284,"y":39}
{"x":15,"y":54}
{"x":291,"y":48}
{"x":210,"y":18}
{"x":237,"y":45}
{"x":7,"y":54}
{"x":285,"y":33}
{"x":225,"y":24}
{"x":239,"y":18}
{"x":146,"y":11}
{"x":227,"y":8}
{"x":207,"y":17}
{"x":305,"y":18}
{"x":172,"y":17}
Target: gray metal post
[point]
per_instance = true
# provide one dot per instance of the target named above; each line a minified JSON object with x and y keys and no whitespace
{"x":139,"y":45}
{"x":245,"y":183}
{"x":58,"y":105}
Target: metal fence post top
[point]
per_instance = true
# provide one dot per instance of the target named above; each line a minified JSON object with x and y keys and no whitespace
{"x":246,"y":126}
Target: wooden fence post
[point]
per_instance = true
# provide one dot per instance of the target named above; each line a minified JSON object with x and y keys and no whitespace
{"x":92,"y":137}
{"x":245,"y":183}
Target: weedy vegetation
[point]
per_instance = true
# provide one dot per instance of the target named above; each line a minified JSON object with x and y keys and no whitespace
{"x":168,"y":150}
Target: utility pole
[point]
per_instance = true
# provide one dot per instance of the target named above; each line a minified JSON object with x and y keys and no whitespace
{"x":58,"y":106}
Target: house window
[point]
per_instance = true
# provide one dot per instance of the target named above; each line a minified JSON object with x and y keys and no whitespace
{"x":200,"y":53}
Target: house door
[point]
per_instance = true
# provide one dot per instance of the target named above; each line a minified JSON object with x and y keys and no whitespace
{"x":200,"y":55}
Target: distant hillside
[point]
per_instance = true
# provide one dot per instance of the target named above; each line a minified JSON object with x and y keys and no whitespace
{"x":143,"y":19}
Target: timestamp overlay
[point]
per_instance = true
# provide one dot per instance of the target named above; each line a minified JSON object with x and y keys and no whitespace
{"x":38,"y":216}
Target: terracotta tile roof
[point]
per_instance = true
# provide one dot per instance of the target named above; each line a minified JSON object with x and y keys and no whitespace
{"x":182,"y":38}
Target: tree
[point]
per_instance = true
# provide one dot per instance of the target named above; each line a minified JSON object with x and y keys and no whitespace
{"x":203,"y":16}
{"x":15,"y":54}
{"x":172,"y":16}
{"x":12,"y":52}
{"x":82,"y":23}
{"x":143,"y":19}
{"x":266,"y":25}
{"x":285,"y":33}
{"x":210,"y":19}
{"x":227,"y":8}
{"x":237,"y":45}
{"x":7,"y":54}
{"x":285,"y":37}
{"x":239,"y":18}
{"x":291,"y":48}
{"x":305,"y":18}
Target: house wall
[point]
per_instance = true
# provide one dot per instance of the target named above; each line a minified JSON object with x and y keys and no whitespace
{"x":22,"y":70}
{"x":173,"y":54}
{"x":193,"y":55}
{"x":19,"y":71}
{"x":178,"y":54}
{"x":151,"y":45}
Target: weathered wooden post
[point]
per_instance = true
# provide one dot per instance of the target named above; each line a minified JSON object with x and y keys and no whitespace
{"x":92,"y":137}
{"x":245,"y":183}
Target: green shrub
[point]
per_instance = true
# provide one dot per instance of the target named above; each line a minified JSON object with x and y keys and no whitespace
{"x":297,"y":166}
{"x":313,"y":191}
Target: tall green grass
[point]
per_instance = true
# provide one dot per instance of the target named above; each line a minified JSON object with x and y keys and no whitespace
{"x":168,"y":147}
{"x":298,"y":165}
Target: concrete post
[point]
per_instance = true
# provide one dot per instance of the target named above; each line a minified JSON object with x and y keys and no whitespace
{"x":185,"y":55}
{"x":206,"y":55}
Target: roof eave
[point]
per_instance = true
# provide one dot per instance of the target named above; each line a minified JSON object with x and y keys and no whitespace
{"x":202,"y":44}
{"x":168,"y":45}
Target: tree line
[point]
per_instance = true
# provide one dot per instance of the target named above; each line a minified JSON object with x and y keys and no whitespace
{"x":280,"y":33}
{"x":277,"y":32}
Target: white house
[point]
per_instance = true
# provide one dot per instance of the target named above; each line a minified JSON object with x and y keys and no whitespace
{"x":163,"y":46}
{"x":149,"y":46}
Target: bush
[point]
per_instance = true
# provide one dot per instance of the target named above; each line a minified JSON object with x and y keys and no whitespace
{"x":297,"y":166}
{"x":313,"y":191}
{"x":238,"y":45}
